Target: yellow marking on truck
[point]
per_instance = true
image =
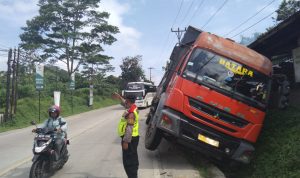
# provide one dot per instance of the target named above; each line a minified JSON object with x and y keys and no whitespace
{"x":235,"y":68}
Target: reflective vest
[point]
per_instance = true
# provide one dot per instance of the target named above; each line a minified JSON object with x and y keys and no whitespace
{"x":123,"y":123}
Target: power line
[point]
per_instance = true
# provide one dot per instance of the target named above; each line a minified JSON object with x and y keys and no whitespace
{"x":4,"y":50}
{"x":214,"y":14}
{"x":188,"y":11}
{"x":177,"y":13}
{"x":197,"y":9}
{"x":238,"y":26}
{"x":4,"y":46}
{"x":167,"y":39}
{"x":253,"y":24}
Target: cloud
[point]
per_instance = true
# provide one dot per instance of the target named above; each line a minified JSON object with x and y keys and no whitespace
{"x":128,"y":38}
{"x":127,"y":43}
{"x":17,"y":12}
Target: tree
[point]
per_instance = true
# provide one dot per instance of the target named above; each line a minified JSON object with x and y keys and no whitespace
{"x":70,"y":31}
{"x":131,"y":70}
{"x":112,"y":80}
{"x":248,"y":40}
{"x":286,"y":9}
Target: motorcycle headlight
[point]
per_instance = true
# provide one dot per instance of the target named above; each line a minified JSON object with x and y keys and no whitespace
{"x":38,"y":149}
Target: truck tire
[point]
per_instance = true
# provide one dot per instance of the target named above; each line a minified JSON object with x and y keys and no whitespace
{"x":153,"y":137}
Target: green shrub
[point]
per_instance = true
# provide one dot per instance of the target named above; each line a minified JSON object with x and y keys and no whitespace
{"x":277,"y":150}
{"x":26,"y":91}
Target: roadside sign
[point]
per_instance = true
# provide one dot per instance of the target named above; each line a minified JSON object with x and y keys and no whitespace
{"x":72,"y":82}
{"x":57,"y":98}
{"x":91,"y":96}
{"x":39,"y":77}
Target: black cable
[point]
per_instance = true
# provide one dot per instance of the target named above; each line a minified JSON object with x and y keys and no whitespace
{"x":238,"y":26}
{"x":4,"y":49}
{"x":188,"y":11}
{"x":198,"y":7}
{"x":4,"y":46}
{"x":253,"y":24}
{"x":167,"y":39}
{"x":214,"y":14}
{"x":177,"y":13}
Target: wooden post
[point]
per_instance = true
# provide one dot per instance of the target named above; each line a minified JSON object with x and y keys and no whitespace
{"x":6,"y":115}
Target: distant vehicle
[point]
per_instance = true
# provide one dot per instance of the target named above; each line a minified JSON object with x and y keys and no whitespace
{"x":212,"y":98}
{"x":143,"y":91}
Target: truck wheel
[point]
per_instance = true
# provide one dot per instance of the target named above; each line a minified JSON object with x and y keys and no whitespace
{"x":153,"y":137}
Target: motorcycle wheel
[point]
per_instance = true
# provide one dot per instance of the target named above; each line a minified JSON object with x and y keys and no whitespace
{"x":37,"y":169}
{"x":64,"y":159}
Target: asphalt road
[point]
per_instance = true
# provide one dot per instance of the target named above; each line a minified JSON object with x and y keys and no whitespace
{"x":95,"y":150}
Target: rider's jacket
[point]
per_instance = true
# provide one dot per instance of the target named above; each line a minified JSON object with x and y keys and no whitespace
{"x":55,"y":123}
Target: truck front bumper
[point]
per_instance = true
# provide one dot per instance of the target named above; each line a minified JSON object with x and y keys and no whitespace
{"x":191,"y":133}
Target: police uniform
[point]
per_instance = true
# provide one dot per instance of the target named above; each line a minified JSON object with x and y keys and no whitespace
{"x":130,"y":156}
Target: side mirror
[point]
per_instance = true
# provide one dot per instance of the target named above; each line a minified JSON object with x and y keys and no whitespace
{"x":32,"y":123}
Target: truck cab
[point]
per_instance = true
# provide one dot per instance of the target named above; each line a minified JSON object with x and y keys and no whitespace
{"x":212,"y":98}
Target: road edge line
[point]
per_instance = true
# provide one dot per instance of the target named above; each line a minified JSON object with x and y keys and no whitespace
{"x":14,"y":165}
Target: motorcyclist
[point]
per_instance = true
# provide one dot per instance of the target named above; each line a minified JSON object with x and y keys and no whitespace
{"x":54,"y":122}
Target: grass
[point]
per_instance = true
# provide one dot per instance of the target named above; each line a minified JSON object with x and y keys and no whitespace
{"x":277,"y":152}
{"x":28,"y":109}
{"x":278,"y":148}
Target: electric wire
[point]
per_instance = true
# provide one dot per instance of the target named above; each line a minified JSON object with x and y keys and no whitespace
{"x":3,"y":46}
{"x":214,"y":14}
{"x":177,"y":13}
{"x":253,"y":24}
{"x":238,"y":26}
{"x":197,"y":9}
{"x":167,"y":39}
{"x":188,"y":11}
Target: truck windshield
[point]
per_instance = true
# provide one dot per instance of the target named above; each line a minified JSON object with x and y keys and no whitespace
{"x":227,"y":75}
{"x":135,"y":86}
{"x":137,"y":94}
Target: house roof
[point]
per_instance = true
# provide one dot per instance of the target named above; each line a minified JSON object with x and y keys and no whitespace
{"x":281,"y":39}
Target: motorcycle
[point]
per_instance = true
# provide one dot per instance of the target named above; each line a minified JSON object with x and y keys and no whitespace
{"x":44,"y":161}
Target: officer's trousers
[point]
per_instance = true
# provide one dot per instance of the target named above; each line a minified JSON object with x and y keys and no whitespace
{"x":130,"y":158}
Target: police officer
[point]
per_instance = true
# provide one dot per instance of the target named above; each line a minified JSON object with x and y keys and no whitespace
{"x":128,"y":130}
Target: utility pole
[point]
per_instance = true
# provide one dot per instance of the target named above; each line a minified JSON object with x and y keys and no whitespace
{"x":91,"y":86}
{"x":13,"y":84}
{"x":150,"y":68}
{"x":178,"y":33}
{"x":8,"y":85}
{"x":17,"y":76}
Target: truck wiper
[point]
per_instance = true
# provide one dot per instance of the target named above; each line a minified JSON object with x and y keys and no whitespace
{"x":198,"y":70}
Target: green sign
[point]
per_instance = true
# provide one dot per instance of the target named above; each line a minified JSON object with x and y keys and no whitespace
{"x":39,"y":77}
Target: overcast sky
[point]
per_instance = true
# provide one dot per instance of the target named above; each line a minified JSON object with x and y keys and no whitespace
{"x":145,"y":25}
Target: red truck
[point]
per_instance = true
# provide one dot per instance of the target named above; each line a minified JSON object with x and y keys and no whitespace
{"x":213,"y":97}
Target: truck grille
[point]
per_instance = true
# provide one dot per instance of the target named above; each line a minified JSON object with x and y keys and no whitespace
{"x":216,"y":112}
{"x":212,"y":122}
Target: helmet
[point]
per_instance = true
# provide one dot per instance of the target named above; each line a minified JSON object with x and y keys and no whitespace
{"x":54,"y":108}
